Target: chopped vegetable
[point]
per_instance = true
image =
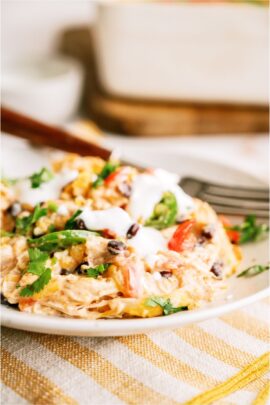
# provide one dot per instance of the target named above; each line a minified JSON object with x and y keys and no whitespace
{"x":98,"y":270}
{"x":248,"y":231}
{"x":24,"y":224}
{"x":59,"y":240}
{"x":37,"y":266}
{"x":4,"y":234}
{"x":165,"y":304}
{"x":43,"y":176}
{"x":51,"y":228}
{"x":71,"y":223}
{"x":52,"y":206}
{"x":254,"y":270}
{"x":165,"y":212}
{"x":37,"y":285}
{"x":105,"y":172}
{"x":181,"y":234}
{"x":113,"y":175}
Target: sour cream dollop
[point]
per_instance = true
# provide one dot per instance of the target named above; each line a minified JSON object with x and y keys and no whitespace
{"x":115,"y":219}
{"x":46,"y":191}
{"x":148,"y":189}
{"x":147,"y":242}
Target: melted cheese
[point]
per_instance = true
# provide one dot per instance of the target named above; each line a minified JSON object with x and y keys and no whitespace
{"x":147,"y":191}
{"x":115,"y":219}
{"x":47,"y":191}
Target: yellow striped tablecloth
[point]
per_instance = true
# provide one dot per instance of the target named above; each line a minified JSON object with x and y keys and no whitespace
{"x":219,"y":361}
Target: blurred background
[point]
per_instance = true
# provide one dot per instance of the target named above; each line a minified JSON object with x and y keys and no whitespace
{"x":187,"y":76}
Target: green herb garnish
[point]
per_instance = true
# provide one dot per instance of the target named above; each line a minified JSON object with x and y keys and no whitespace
{"x":4,"y":234}
{"x":52,"y":206}
{"x":254,"y":270}
{"x":105,"y":172}
{"x":250,"y":230}
{"x":24,"y":224}
{"x":98,"y":270}
{"x":71,"y":223}
{"x":59,"y":240}
{"x":165,"y":212}
{"x":51,"y":228}
{"x":43,"y":176}
{"x":165,"y":304}
{"x":37,"y":266}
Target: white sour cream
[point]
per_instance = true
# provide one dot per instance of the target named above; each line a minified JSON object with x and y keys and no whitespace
{"x":47,"y":191}
{"x":147,"y":242}
{"x":147,"y":191}
{"x":115,"y":219}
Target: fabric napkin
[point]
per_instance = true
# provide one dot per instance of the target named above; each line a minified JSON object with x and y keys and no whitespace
{"x":218,"y":361}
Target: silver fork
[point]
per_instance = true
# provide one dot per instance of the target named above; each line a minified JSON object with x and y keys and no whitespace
{"x":226,"y":199}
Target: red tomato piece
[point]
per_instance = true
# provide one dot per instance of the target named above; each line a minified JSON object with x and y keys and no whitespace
{"x":112,"y":176}
{"x":181,"y":234}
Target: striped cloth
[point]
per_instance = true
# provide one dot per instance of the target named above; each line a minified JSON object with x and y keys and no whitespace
{"x":219,"y":361}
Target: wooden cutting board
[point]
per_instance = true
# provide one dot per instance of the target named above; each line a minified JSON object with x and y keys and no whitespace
{"x":146,"y":118}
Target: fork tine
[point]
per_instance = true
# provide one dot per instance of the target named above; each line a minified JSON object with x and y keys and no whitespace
{"x":194,"y":187}
{"x":239,"y":211}
{"x":234,"y":202}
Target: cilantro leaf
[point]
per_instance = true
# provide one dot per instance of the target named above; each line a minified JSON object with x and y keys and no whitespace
{"x":24,"y":224}
{"x":108,"y":168}
{"x":4,"y":233}
{"x":37,"y":285}
{"x":165,"y":304}
{"x":37,"y":266}
{"x":250,"y":230}
{"x":96,"y":271}
{"x":71,"y":223}
{"x":254,"y":270}
{"x":43,"y":176}
{"x":59,"y":240}
{"x":37,"y":261}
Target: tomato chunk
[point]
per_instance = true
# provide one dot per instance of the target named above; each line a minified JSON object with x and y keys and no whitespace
{"x":181,"y":234}
{"x":233,"y":234}
{"x":112,"y":176}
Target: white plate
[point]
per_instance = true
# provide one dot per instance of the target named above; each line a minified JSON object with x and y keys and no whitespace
{"x":241,"y":291}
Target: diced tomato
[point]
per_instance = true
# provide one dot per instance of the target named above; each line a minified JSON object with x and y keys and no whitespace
{"x":233,"y":235}
{"x":182,"y":233}
{"x":25,"y":302}
{"x":108,"y":234}
{"x":112,"y":176}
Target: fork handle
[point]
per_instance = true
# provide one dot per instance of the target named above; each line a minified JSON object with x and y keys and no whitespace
{"x":42,"y":134}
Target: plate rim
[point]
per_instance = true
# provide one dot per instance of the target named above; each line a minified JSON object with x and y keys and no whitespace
{"x":119,"y":327}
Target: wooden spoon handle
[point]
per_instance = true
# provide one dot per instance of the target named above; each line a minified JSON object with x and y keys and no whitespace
{"x":46,"y":135}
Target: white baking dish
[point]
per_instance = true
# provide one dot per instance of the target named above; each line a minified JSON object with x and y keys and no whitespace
{"x":183,"y":51}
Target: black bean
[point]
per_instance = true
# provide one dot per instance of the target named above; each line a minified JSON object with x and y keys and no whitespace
{"x":115,"y":247}
{"x":79,"y":269}
{"x":125,"y":189}
{"x":64,"y":272}
{"x":166,"y":274}
{"x":208,"y":232}
{"x":4,"y":301}
{"x":217,"y":268}
{"x":132,"y":231}
{"x":79,"y":224}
